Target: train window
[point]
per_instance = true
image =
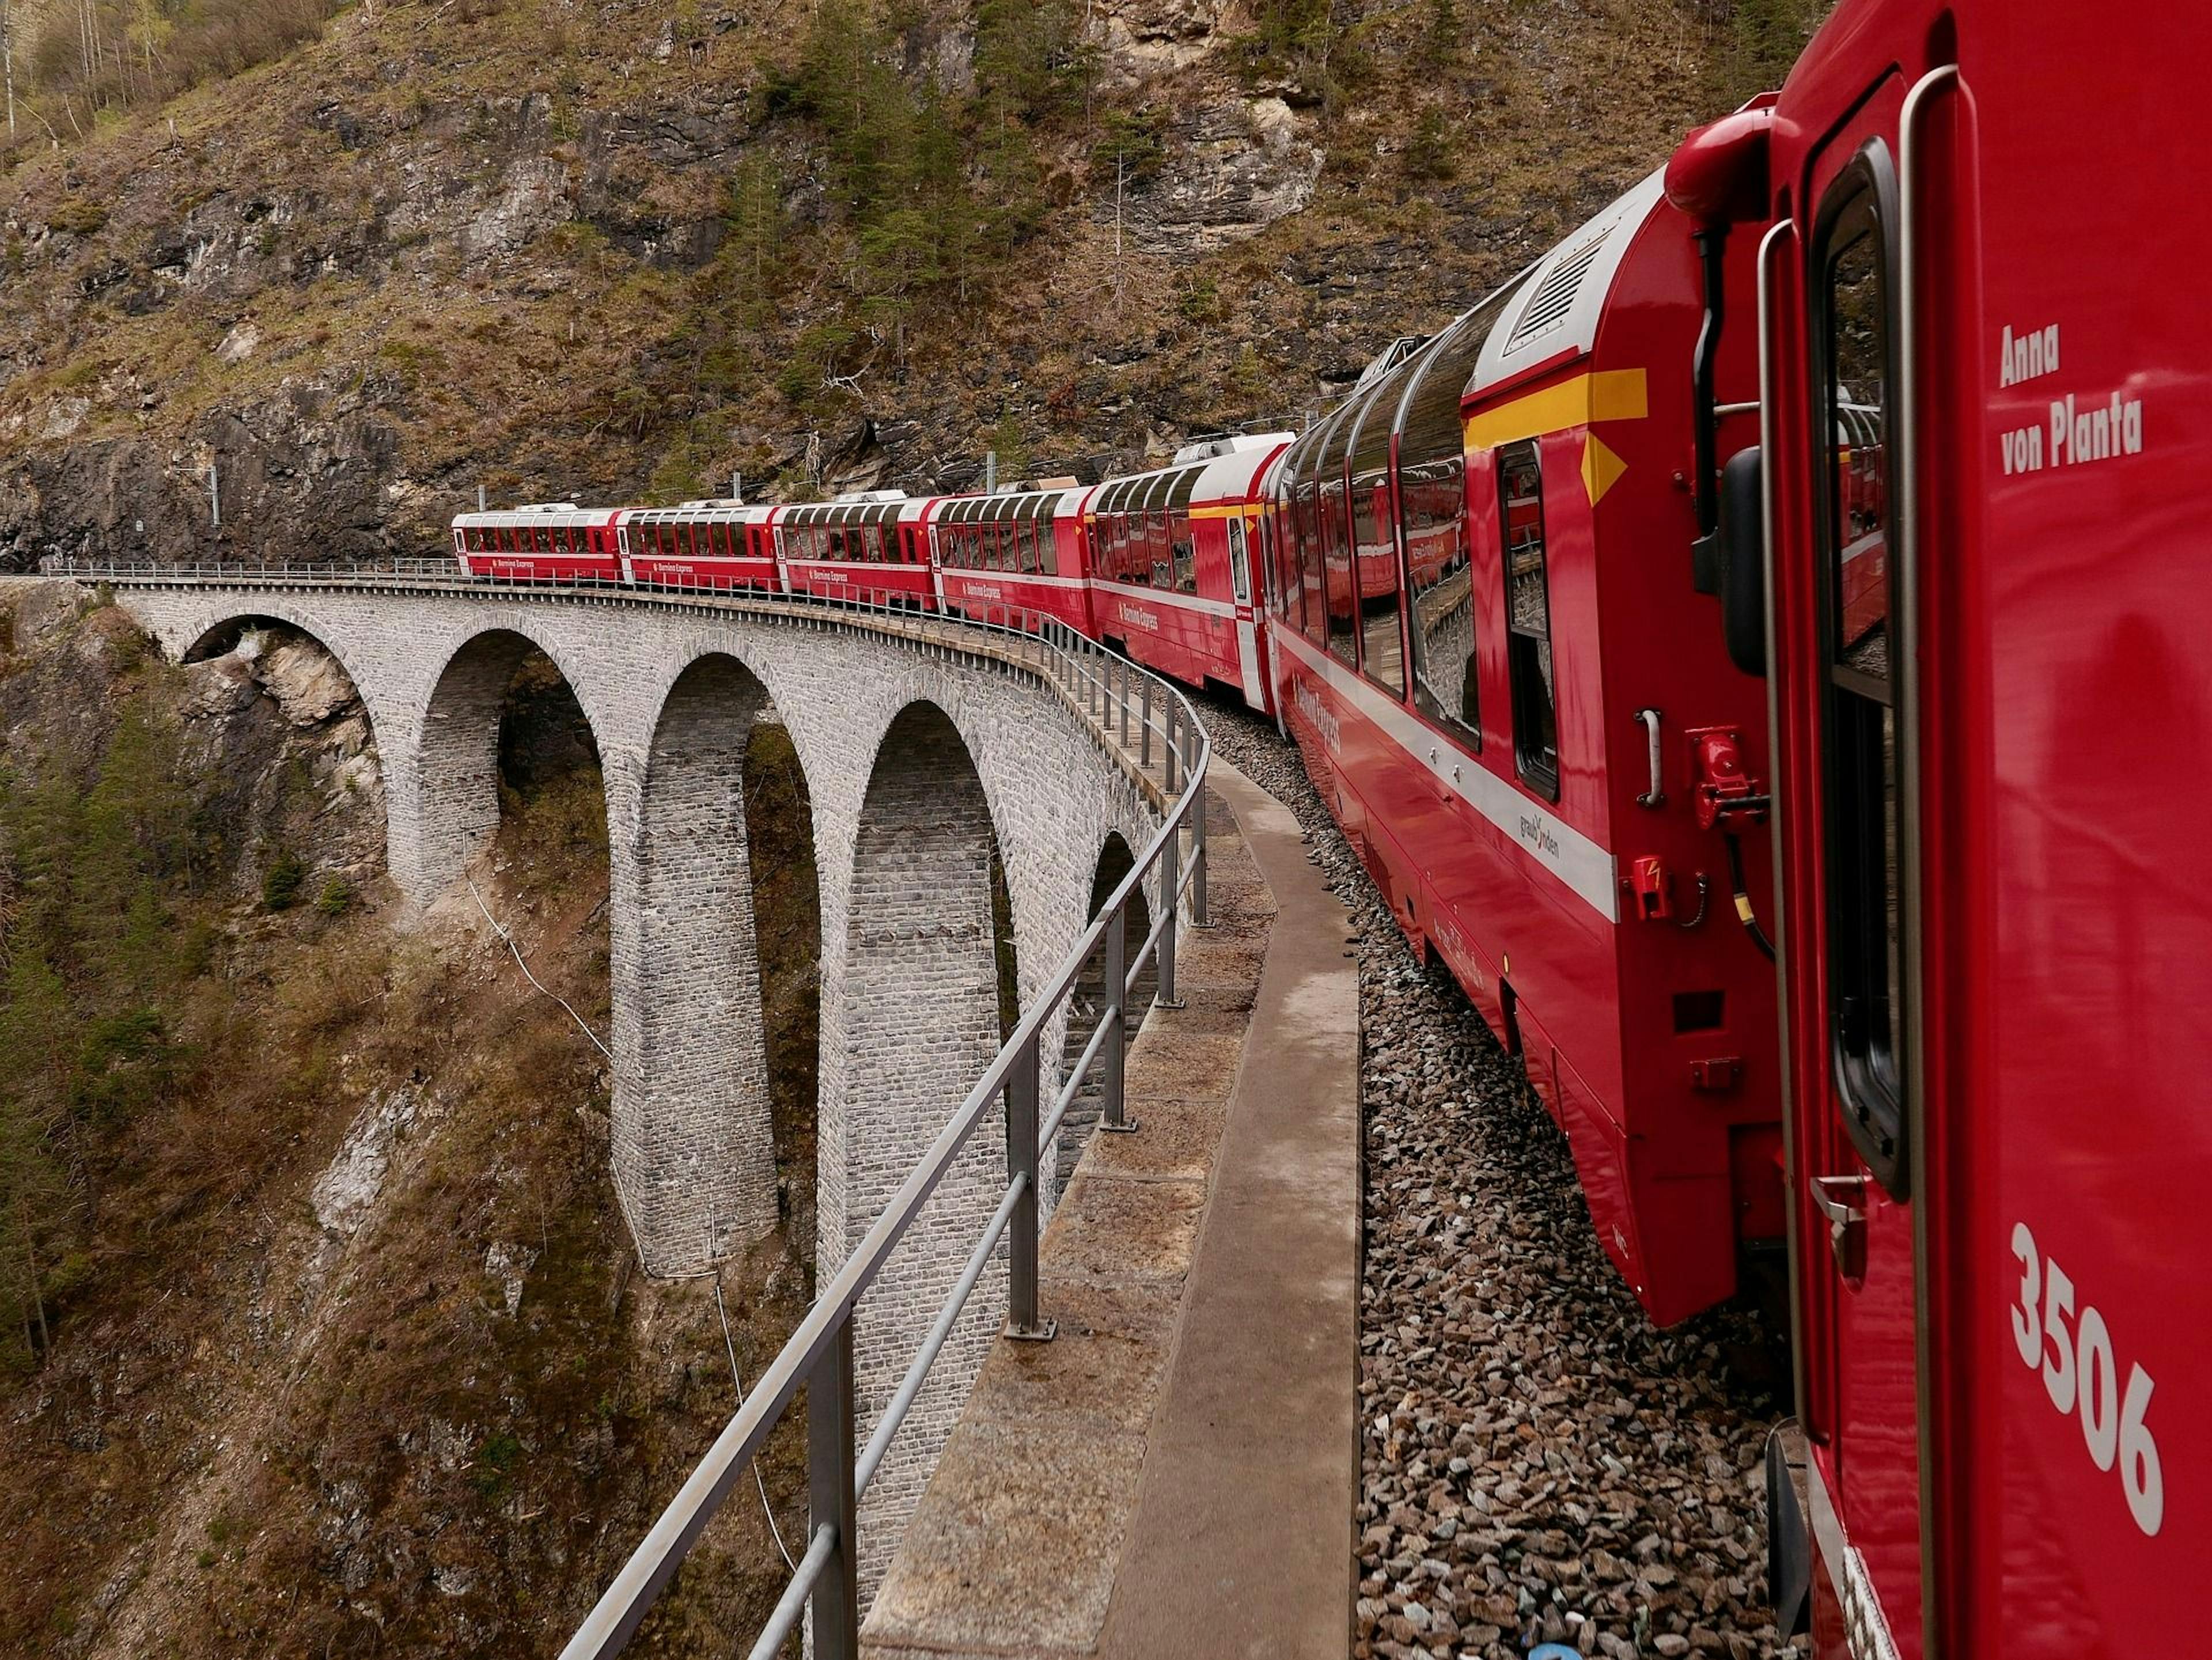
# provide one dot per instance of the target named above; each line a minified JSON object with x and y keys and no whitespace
{"x":1337,"y":568}
{"x":1311,"y":559}
{"x":1375,"y":556}
{"x":1528,"y":618}
{"x":1048,"y":531}
{"x":1862,"y":775}
{"x":1240,"y":561}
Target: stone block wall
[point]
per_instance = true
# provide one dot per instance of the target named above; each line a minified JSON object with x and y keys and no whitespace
{"x":919,"y":761}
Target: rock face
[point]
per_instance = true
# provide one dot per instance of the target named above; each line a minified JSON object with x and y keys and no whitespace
{"x":314,"y":461}
{"x":444,"y":245}
{"x":347,"y":1191}
{"x":1238,"y":167}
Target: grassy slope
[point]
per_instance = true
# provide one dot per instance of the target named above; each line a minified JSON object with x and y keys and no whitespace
{"x":251,"y":1437}
{"x":493,"y":225}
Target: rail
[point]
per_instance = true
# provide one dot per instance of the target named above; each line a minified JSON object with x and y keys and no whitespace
{"x":1127,"y":707}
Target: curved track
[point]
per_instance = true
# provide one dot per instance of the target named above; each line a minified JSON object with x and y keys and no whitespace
{"x":1537,"y":1463}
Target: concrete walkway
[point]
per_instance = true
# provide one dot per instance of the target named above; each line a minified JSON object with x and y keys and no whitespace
{"x":1175,"y":1475}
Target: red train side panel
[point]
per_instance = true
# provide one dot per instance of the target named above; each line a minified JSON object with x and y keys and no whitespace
{"x":1988,"y":396}
{"x":1494,"y":659}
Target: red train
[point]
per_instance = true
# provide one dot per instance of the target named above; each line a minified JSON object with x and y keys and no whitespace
{"x":1784,"y":725}
{"x":1506,"y":683}
{"x":1974,"y":527}
{"x":1159,"y":564}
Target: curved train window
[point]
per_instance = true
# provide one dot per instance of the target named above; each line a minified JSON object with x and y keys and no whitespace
{"x":1375,"y":537}
{"x":1863,"y":778}
{"x":1441,"y":613}
{"x":1528,"y":618}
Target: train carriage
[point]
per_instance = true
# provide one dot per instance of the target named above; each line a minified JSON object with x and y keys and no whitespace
{"x":1172,"y":555}
{"x":544,"y":542}
{"x":721,"y":546}
{"x":867,"y":545}
{"x":1492,"y":656}
{"x":1012,"y":552}
{"x":1982,"y":485}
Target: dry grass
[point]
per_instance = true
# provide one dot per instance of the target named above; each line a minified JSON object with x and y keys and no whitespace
{"x":264,"y":1438}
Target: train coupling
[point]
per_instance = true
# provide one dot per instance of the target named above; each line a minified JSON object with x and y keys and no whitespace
{"x":1725,"y":795}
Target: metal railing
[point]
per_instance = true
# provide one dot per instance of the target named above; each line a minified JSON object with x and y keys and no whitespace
{"x":1128,"y":709}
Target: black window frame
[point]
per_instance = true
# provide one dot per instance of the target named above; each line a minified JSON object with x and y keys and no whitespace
{"x":1865,"y":776}
{"x":1536,"y":768}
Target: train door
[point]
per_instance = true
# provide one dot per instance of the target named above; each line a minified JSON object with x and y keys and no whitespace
{"x":1240,"y":589}
{"x":1859,"y":940}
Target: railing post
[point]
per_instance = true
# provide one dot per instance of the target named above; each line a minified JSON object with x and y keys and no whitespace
{"x":1128,"y":669}
{"x":1144,"y":723}
{"x":1199,"y":918}
{"x":1022,"y":1320}
{"x":1113,"y":1107}
{"x":831,"y":1499}
{"x":1170,"y":883}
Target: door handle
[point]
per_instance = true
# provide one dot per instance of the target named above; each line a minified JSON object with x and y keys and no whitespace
{"x":1841,"y":1200}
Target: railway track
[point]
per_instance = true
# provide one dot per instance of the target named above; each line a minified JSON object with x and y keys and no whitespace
{"x":1537,"y":1463}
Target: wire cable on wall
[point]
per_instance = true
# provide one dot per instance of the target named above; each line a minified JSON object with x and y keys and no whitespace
{"x":531,"y":977}
{"x":729,"y":1343}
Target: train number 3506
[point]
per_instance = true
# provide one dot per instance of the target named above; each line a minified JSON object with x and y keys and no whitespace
{"x":2081,"y":1376}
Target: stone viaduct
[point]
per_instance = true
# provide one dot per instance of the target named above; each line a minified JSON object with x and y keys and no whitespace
{"x":922,"y":755}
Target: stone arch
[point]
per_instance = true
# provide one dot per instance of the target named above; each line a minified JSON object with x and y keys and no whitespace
{"x":695,"y":1148}
{"x":218,"y":636}
{"x":451,"y":779}
{"x":918,"y":1020}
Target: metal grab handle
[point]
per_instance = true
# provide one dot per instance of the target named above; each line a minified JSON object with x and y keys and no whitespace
{"x":1841,"y":1200}
{"x":1655,"y":795}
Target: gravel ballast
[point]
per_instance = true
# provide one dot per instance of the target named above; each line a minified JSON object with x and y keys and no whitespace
{"x":1538,"y":1463}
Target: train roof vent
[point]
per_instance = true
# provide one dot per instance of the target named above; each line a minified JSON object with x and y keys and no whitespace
{"x":548,"y":507}
{"x":1554,"y":297}
{"x":1554,"y":310}
{"x":871,"y":496}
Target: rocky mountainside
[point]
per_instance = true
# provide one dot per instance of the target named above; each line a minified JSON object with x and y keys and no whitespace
{"x":600,"y":249}
{"x":320,"y":1331}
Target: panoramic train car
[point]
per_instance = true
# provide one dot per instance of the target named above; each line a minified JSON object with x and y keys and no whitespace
{"x":723,"y":546}
{"x":866,"y":545}
{"x":1011,"y":551}
{"x":547,"y":542}
{"x":1172,"y":559}
{"x":1988,"y":389}
{"x":1495,"y":659}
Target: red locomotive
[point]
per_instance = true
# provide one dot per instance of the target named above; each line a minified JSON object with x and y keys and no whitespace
{"x":1988,"y":428}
